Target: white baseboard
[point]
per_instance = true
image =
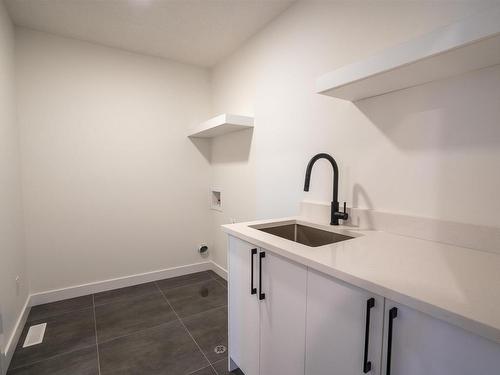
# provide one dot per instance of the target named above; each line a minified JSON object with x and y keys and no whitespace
{"x":120,"y":282}
{"x":222,"y":272}
{"x":10,"y":347}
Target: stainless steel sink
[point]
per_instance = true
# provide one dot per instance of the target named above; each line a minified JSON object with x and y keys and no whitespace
{"x":305,"y":235}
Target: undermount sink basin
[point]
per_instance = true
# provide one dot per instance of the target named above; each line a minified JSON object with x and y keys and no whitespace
{"x":305,"y":235}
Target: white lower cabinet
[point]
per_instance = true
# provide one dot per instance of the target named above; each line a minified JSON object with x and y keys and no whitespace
{"x":267,"y":317}
{"x":423,"y":345}
{"x":287,"y":319}
{"x":344,"y":328}
{"x":244,"y":314}
{"x":282,"y":316}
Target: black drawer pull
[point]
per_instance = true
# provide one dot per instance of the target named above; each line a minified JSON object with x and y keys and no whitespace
{"x":367,"y":365}
{"x":393,"y":313}
{"x":261,"y":295}
{"x":252,"y":289}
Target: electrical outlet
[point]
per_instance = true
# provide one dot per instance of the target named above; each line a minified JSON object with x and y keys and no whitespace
{"x":18,"y":285}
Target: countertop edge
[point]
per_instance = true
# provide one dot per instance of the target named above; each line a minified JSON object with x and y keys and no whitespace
{"x":486,"y":331}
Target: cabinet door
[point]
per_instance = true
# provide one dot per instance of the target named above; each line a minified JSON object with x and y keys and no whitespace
{"x":423,"y":345}
{"x":283,"y":316}
{"x":243,"y":306}
{"x":336,"y":328}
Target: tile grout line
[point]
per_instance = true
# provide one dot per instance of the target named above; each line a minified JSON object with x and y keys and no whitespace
{"x":93,"y":306}
{"x":46,"y":319}
{"x":111,"y":290}
{"x":51,"y":357}
{"x":162,"y":296}
{"x":158,"y":325}
{"x":220,"y":360}
{"x":96,"y":341}
{"x":219,"y":282}
{"x":161,"y":324}
{"x":210,"y":278}
{"x":125,"y":287}
{"x":136,"y":332}
{"x":187,"y":330}
{"x":195,"y":371}
{"x":127,"y":299}
{"x":214,"y":275}
{"x":57,"y":315}
{"x":209,"y":310}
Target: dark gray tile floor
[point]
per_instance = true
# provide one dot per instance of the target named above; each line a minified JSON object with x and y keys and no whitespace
{"x":167,"y":327}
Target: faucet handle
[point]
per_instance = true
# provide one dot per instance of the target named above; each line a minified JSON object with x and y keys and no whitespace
{"x":346,"y":216}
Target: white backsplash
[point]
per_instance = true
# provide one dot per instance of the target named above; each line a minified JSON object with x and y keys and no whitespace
{"x":459,"y":234}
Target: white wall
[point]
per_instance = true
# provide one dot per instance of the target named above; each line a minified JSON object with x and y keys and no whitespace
{"x":12,"y":256}
{"x":431,"y":151}
{"x":112,"y":185}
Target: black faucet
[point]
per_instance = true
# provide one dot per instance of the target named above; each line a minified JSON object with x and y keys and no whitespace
{"x":336,"y":214}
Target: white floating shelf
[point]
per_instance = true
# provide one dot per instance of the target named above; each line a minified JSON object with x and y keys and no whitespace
{"x":461,"y":47}
{"x":222,"y":124}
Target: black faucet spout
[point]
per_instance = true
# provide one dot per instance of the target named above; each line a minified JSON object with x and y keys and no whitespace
{"x":335,"y":213}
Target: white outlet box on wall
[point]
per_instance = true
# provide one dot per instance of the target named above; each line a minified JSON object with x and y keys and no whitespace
{"x":216,"y":199}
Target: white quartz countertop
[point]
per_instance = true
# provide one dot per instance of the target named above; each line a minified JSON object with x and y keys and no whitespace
{"x":458,"y":285}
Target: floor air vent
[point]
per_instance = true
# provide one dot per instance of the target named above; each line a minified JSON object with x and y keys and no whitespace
{"x":35,"y":335}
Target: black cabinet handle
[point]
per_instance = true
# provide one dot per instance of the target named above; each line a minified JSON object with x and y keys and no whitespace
{"x":252,"y":289}
{"x":261,"y":295}
{"x":393,"y":313}
{"x":367,"y":365}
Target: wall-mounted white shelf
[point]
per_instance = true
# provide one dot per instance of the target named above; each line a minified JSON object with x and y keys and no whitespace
{"x":222,"y":124}
{"x":461,"y":47}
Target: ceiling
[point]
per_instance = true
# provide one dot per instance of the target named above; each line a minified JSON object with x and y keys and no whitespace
{"x":199,"y":32}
